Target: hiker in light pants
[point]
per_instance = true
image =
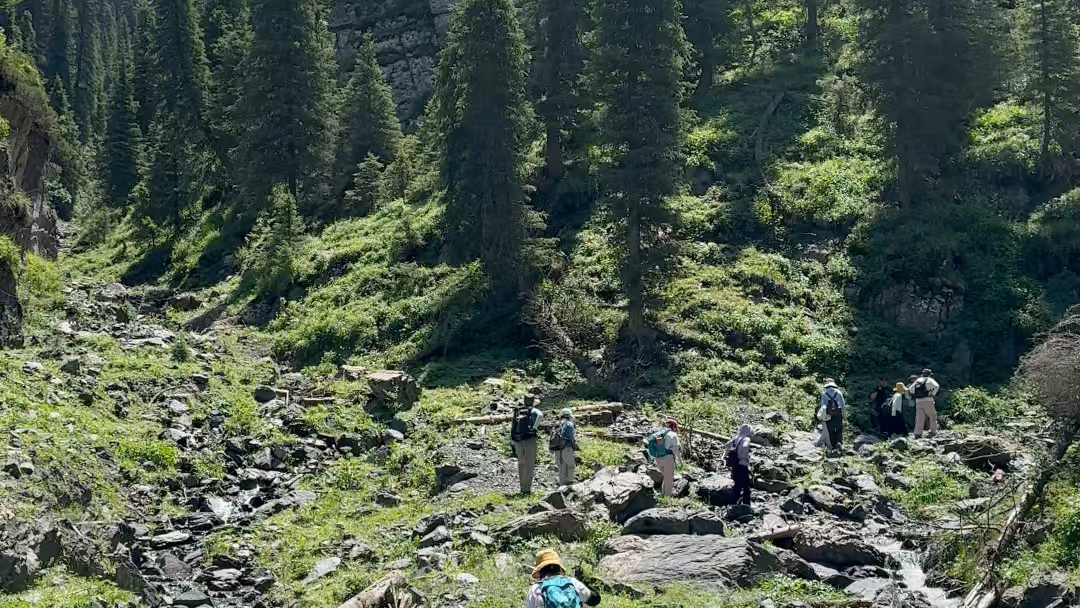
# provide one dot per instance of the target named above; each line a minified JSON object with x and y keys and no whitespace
{"x":666,"y":463}
{"x":523,"y":437}
{"x":564,"y":446}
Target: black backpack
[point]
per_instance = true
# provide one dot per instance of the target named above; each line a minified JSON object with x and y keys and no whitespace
{"x":558,"y":440}
{"x":521,"y":427}
{"x":832,"y":406}
{"x":732,"y":458}
{"x":919,"y":390}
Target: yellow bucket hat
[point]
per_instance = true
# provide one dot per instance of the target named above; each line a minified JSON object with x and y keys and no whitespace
{"x":900,"y":388}
{"x":545,"y":558}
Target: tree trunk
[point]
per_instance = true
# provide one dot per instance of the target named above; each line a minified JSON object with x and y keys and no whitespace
{"x":748,"y":16}
{"x":554,"y":150}
{"x":705,"y":82}
{"x":1047,"y":98}
{"x":635,"y":291}
{"x":811,"y":31}
{"x":985,"y":594}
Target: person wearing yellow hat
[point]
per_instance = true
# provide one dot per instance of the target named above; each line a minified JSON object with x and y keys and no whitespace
{"x":895,"y":425}
{"x":553,"y":588}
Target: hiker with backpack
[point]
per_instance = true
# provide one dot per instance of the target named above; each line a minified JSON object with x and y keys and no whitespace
{"x":924,"y":390}
{"x":663,"y":448}
{"x":738,"y":460}
{"x":564,"y":446}
{"x":523,"y":428}
{"x":832,"y":401}
{"x":880,"y":401}
{"x":554,"y":588}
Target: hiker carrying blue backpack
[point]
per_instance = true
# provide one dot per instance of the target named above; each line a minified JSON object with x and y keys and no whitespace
{"x":553,"y":588}
{"x":663,"y":448}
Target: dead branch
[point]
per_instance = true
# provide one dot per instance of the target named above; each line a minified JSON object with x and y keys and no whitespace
{"x":600,"y":409}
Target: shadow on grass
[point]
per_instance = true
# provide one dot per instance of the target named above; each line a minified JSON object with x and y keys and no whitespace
{"x":150,"y":268}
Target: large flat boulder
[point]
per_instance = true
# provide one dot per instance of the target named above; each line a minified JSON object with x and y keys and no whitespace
{"x":708,"y":560}
{"x":564,"y":523}
{"x":624,"y":493}
{"x":717,"y":490}
{"x":675,"y":521}
{"x":982,"y":451}
{"x":837,"y":551}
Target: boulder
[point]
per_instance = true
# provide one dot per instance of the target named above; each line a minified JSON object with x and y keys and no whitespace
{"x":438,"y":536}
{"x":264,"y":394}
{"x":625,"y":494}
{"x":185,"y":302}
{"x":981,"y":452}
{"x":869,"y":588}
{"x":675,"y":521}
{"x":662,"y":560}
{"x":717,"y":490}
{"x":173,"y":568}
{"x":393,"y":388}
{"x":837,"y":550}
{"x":1049,"y":593}
{"x":193,"y":598}
{"x":322,"y":568}
{"x":897,"y":482}
{"x":17,"y":569}
{"x":827,"y":499}
{"x":170,"y":539}
{"x":564,"y":524}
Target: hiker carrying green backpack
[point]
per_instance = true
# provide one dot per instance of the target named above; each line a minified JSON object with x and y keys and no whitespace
{"x":554,"y":588}
{"x":663,"y":448}
{"x":563,"y":446}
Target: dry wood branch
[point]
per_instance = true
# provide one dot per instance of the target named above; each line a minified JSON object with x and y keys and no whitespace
{"x":599,"y":409}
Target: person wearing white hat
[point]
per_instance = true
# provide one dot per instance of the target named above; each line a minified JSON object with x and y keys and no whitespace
{"x":832,"y":402}
{"x":563,"y":446}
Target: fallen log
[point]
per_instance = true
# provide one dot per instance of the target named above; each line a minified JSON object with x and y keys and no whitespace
{"x":986,"y":593}
{"x":387,"y":592}
{"x":788,"y":532}
{"x":580,"y":412}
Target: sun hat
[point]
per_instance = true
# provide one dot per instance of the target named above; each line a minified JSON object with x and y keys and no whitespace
{"x":545,"y":558}
{"x":830,"y":382}
{"x":900,"y":388}
{"x":566,"y":413}
{"x":672,"y":424}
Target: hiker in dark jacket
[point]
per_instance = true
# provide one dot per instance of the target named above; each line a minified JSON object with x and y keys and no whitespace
{"x":523,"y":430}
{"x":880,"y":400}
{"x":739,"y":461}
{"x":832,"y":400}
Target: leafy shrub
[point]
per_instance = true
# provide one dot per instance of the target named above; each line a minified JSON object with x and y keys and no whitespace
{"x":138,"y":451}
{"x":269,"y":258}
{"x":1005,"y":141}
{"x":1069,"y":527}
{"x":840,"y":189}
{"x":974,"y":405}
{"x":181,"y":352}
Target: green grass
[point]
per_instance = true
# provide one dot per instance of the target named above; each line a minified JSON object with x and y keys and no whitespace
{"x":59,"y":589}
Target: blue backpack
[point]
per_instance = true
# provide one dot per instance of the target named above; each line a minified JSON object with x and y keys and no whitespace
{"x":657,"y":444}
{"x":559,"y":592}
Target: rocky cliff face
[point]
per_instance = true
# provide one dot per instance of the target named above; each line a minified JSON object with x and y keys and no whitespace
{"x":407,"y":35}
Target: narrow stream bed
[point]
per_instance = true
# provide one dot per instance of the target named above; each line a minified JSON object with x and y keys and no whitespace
{"x":913,"y":577}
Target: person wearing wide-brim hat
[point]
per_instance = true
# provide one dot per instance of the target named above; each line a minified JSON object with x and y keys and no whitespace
{"x":895,"y":407}
{"x":553,"y":588}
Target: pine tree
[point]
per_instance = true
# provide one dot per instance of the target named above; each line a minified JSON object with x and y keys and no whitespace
{"x":363,"y":195}
{"x":231,"y":44}
{"x":143,"y":78}
{"x":219,"y":19}
{"x":110,"y":50}
{"x":89,"y":82}
{"x":370,"y":125}
{"x":927,"y":64}
{"x":707,"y":23}
{"x":481,"y":117}
{"x":810,"y":29}
{"x":639,"y":52}
{"x":61,"y":47}
{"x":558,"y":65}
{"x":287,"y":107}
{"x":180,"y":159}
{"x":123,"y":138}
{"x":270,"y":254}
{"x":29,"y":36}
{"x":1051,"y":59}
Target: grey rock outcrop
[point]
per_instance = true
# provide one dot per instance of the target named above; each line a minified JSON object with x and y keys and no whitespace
{"x":675,"y":521}
{"x":685,"y":558}
{"x":563,"y":524}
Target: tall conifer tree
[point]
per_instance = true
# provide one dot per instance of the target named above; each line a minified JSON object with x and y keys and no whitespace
{"x":481,"y":117}
{"x":143,"y":78}
{"x":370,"y":125}
{"x":123,"y":138}
{"x":287,"y":107}
{"x":60,"y":54}
{"x":90,"y":73}
{"x":231,"y":43}
{"x":560,"y":58}
{"x":638,"y":57}
{"x":1051,"y":59}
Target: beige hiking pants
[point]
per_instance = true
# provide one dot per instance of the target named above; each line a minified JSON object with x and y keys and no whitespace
{"x":666,"y":464}
{"x":565,"y":463}
{"x":526,"y":457}
{"x":925,"y":416}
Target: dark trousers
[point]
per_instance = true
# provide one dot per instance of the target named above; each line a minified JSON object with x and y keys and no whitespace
{"x":884,"y":420}
{"x":740,"y":474}
{"x":836,"y":430}
{"x":897,"y":426}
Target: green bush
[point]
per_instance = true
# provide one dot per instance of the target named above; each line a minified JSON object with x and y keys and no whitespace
{"x":974,"y":405}
{"x":1069,"y":527}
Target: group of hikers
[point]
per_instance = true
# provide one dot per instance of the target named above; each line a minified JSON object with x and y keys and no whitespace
{"x":553,"y":588}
